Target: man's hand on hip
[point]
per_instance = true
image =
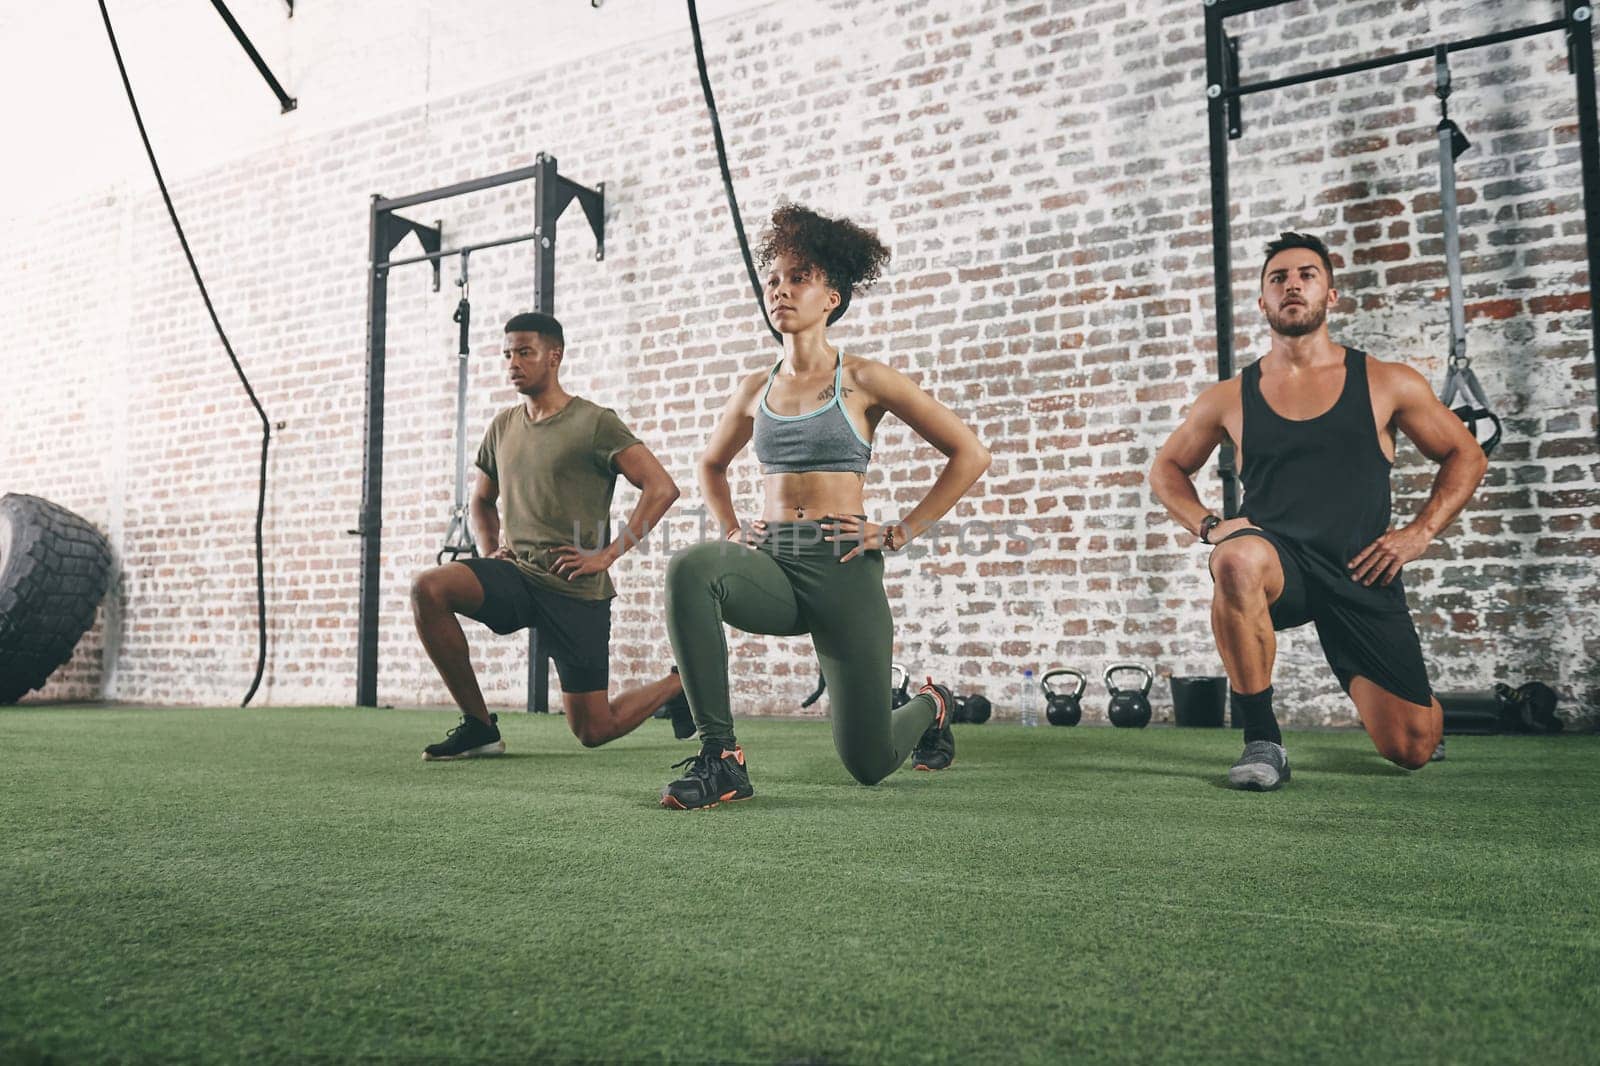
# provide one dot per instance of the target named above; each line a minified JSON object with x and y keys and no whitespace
{"x":573,"y":563}
{"x":1381,"y":560}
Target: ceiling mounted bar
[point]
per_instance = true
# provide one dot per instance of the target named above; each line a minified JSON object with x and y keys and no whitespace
{"x":288,"y":102}
{"x":1394,"y":60}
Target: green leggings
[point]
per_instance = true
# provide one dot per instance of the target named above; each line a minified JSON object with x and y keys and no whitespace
{"x":792,"y":584}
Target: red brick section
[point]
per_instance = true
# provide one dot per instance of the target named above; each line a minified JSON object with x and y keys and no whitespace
{"x":1040,"y":171}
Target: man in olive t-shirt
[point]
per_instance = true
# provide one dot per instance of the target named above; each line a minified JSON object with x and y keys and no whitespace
{"x":551,"y":462}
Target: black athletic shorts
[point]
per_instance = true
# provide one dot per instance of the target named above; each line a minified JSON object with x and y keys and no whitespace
{"x":1365,"y":632}
{"x":576,"y":632}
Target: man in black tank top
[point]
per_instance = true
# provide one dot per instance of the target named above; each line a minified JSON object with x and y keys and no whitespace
{"x":1314,"y":427}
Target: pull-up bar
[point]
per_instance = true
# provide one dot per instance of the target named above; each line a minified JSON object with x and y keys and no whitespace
{"x":1390,"y":61}
{"x":430,"y":257}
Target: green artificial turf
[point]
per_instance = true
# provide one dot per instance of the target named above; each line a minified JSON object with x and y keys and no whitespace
{"x":292,"y":885}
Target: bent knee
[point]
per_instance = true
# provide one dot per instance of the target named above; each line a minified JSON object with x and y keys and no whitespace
{"x":695,"y":565}
{"x":593,"y":734}
{"x":867,"y":773}
{"x":1242,"y":566}
{"x":428,"y":589}
{"x":1410,"y":752}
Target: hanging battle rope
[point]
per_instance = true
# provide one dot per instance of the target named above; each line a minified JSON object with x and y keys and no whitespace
{"x":727,"y":178}
{"x":1459,"y":380}
{"x":266,"y":426}
{"x":458,"y":538}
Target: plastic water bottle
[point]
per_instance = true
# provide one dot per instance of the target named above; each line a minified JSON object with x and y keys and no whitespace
{"x":1028,"y":699}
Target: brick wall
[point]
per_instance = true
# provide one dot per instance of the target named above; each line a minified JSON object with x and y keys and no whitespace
{"x":1041,"y":173}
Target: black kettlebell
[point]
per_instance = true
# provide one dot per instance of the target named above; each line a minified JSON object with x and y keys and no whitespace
{"x":899,"y":691}
{"x":973,"y":710}
{"x":1063,"y":708}
{"x":1130,"y":708}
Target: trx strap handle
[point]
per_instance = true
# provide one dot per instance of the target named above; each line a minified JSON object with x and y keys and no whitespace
{"x":458,"y":537}
{"x":1475,"y":411}
{"x":1459,"y":380}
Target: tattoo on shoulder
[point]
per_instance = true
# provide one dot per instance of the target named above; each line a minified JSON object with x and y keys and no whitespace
{"x":827,"y":393}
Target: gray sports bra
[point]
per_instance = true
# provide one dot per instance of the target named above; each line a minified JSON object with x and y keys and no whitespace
{"x":824,"y":439}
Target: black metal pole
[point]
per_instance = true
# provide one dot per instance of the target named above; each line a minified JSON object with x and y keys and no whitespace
{"x":1221,"y":243}
{"x":544,"y":227}
{"x":547,"y":205}
{"x":1580,"y":55}
{"x":371,"y":520}
{"x":284,"y":99}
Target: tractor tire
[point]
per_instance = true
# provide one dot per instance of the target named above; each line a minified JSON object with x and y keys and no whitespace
{"x":54,"y":571}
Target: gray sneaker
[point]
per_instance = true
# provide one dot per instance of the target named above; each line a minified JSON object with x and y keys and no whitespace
{"x":1263,"y":767}
{"x":1438,"y":753}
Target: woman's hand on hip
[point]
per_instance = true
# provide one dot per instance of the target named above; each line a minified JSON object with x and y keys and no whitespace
{"x":749,"y":534}
{"x":867,"y":536}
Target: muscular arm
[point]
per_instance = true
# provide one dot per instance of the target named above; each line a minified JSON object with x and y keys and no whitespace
{"x":1186,"y":451}
{"x":483,"y":514}
{"x":1439,"y":435}
{"x":940,"y":427}
{"x":733,"y":432}
{"x":657,"y":492}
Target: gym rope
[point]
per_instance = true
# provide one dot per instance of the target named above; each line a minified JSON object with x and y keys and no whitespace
{"x":727,"y":178}
{"x":266,"y":425}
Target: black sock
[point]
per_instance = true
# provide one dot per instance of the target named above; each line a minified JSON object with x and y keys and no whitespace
{"x":1256,"y":713}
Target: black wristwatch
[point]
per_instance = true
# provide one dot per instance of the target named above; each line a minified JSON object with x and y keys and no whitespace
{"x":1207,"y":524}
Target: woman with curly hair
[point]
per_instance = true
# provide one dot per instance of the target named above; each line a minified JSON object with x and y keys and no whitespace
{"x":812,"y":562}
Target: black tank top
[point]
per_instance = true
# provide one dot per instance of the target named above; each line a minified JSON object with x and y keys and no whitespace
{"x":1323,"y":482}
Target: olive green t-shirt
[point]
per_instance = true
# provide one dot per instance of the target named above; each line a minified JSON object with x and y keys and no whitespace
{"x":556,"y":478}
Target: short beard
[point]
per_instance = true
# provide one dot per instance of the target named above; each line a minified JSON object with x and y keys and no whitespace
{"x":1285,"y":328}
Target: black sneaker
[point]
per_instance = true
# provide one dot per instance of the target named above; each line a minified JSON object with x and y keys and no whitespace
{"x":713,"y":776}
{"x":936,"y":748}
{"x":677,"y":708}
{"x":469,"y":740}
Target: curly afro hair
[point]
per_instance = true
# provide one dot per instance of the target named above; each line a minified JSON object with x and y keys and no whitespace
{"x":851,"y":256}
